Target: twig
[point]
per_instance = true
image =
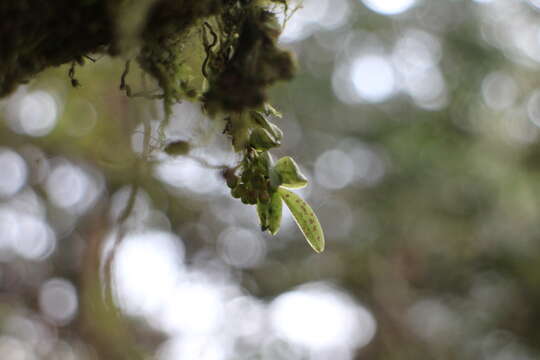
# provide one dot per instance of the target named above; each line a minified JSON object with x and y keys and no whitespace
{"x":293,"y":11}
{"x":205,"y":163}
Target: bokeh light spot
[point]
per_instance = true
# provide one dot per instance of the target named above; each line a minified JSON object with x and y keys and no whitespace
{"x":32,"y":113}
{"x":58,"y":300}
{"x":321,"y":318}
{"x":142,"y":290}
{"x":533,"y":108}
{"x":71,"y":187}
{"x":187,"y":173}
{"x":432,"y":320}
{"x":334,"y":169}
{"x":313,"y":16}
{"x":38,"y":113}
{"x":499,"y":90}
{"x":34,"y":238}
{"x":13,"y":174}
{"x":195,"y":307}
{"x":373,"y":78}
{"x":389,"y":7}
{"x":241,"y":248}
{"x":14,"y":349}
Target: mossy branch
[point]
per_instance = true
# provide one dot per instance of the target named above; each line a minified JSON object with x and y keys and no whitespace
{"x":166,"y":37}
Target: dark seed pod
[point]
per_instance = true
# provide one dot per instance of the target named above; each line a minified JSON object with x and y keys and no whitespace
{"x":232,"y":181}
{"x":245,"y":198}
{"x":177,"y":148}
{"x":231,"y":178}
{"x":252,"y":197}
{"x":258,"y":182}
{"x":246,"y":176}
{"x":264,"y":196}
{"x":237,"y":192}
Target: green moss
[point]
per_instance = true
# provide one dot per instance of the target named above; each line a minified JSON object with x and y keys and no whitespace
{"x":171,"y":39}
{"x":221,"y":53}
{"x":240,"y":77}
{"x":35,"y":35}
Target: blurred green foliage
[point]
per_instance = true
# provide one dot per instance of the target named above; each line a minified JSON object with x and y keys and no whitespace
{"x":418,"y":132}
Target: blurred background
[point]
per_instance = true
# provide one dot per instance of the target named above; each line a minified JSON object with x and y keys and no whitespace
{"x":417,"y":123}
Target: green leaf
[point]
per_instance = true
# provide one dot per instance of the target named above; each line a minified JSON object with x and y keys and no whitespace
{"x":275,"y":130}
{"x":267,"y":160}
{"x":275,"y":210}
{"x":290,"y":173}
{"x":260,"y":120}
{"x":275,"y":179}
{"x":270,"y":213}
{"x":263,"y":210}
{"x":262,"y":139}
{"x":305,"y":219}
{"x":270,"y":110}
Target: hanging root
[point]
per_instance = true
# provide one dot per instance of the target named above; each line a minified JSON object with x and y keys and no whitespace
{"x":208,"y":46}
{"x":71,"y":73}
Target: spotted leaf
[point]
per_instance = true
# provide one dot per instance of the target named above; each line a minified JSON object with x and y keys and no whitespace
{"x":305,"y":219}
